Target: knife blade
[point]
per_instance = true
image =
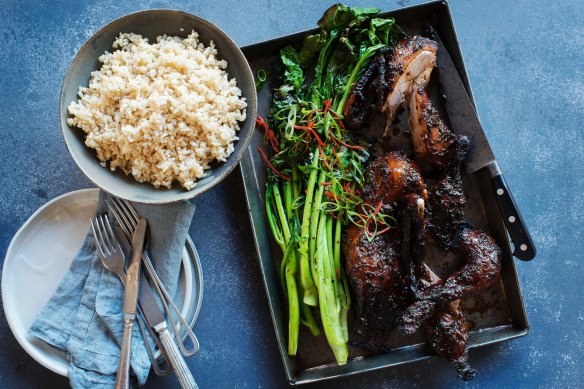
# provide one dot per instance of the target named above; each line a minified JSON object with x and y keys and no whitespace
{"x":464,"y":120}
{"x":133,"y":272}
{"x":130,"y":303}
{"x":461,"y":112}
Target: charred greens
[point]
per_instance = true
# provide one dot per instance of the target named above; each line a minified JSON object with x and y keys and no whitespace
{"x":316,"y":167}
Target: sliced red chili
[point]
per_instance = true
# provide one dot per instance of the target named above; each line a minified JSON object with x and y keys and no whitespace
{"x":327,"y":106}
{"x":311,"y":130}
{"x":270,"y":136}
{"x":265,"y":157}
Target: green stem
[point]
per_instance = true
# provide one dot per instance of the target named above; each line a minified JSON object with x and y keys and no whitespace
{"x":345,"y":309}
{"x":272,"y":220}
{"x":337,"y":246}
{"x":321,"y":65}
{"x":293,"y":305}
{"x":307,"y":317}
{"x":282,"y":214}
{"x":296,"y":190}
{"x":315,"y":213}
{"x":328,"y":302}
{"x":310,"y":293}
{"x":344,"y":294}
{"x":289,"y":265}
{"x":310,"y":320}
{"x":335,"y":270}
{"x":287,"y":188}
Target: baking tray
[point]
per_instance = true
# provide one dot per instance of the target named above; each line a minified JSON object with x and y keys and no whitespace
{"x":495,"y":316}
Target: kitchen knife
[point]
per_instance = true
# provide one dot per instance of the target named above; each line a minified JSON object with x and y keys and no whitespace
{"x":130,"y":303}
{"x":145,"y":296}
{"x":465,"y":121}
{"x":155,"y":320}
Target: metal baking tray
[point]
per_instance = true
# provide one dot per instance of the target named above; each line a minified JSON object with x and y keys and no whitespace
{"x":495,"y":316}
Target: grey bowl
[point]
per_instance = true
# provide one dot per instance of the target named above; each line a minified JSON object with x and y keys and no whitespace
{"x":153,"y":23}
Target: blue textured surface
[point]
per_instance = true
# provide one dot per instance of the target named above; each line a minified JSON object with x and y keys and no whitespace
{"x":524,"y":60}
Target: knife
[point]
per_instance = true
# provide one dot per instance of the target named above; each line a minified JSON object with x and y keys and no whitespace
{"x":145,"y":297}
{"x":155,"y":320}
{"x":464,"y":120}
{"x":130,"y":303}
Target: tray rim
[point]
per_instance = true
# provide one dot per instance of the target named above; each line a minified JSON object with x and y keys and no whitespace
{"x":248,"y":173}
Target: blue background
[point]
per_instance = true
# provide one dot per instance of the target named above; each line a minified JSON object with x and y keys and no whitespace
{"x":525,"y":63}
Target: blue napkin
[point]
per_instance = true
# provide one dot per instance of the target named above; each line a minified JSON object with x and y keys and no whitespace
{"x":83,"y":317}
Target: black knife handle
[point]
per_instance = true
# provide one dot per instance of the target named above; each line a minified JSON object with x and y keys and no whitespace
{"x":524,"y":247}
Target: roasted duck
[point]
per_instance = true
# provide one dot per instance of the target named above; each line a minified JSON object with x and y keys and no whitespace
{"x":391,"y":178}
{"x":375,"y":274}
{"x":446,"y":200}
{"x":409,"y":59}
{"x":447,"y":330}
{"x":374,"y":268}
{"x":389,"y":272}
{"x":480,"y":271}
{"x":386,"y":83}
{"x":432,"y":139}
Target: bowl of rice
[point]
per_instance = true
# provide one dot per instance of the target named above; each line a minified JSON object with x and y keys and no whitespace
{"x":158,"y":106}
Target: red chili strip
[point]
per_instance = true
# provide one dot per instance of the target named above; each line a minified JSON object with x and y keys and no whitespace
{"x":311,"y":130}
{"x":265,"y":157}
{"x":338,"y":120}
{"x":330,"y":195}
{"x":332,"y":136}
{"x":377,"y":208}
{"x":309,"y":118}
{"x":354,"y":147}
{"x":383,"y":231}
{"x":327,"y":106}
{"x":269,"y":134}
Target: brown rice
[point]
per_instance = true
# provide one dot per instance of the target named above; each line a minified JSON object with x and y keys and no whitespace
{"x":161,"y":112}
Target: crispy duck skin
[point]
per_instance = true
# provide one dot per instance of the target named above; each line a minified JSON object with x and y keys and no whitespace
{"x":447,"y":329}
{"x":375,"y":275}
{"x":448,"y":334}
{"x":481,"y":270}
{"x":368,"y":93}
{"x":446,"y":200}
{"x":410,"y":58}
{"x":374,"y":268}
{"x":414,"y":225}
{"x":392,"y":177}
{"x":432,"y":139}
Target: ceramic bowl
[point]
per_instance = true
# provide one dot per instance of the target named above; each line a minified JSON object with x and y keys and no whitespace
{"x":151,"y":24}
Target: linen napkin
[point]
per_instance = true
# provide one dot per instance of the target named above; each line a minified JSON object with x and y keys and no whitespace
{"x":84,"y":317}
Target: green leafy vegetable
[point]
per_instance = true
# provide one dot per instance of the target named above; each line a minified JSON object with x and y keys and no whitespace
{"x":340,"y":15}
{"x":310,"y":47}
{"x":315,"y":168}
{"x":380,"y":31}
{"x":293,"y":73}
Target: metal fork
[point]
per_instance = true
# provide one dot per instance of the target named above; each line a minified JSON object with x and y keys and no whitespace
{"x":112,"y":257}
{"x":127,"y":218}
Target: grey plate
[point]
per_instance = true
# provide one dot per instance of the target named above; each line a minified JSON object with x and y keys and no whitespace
{"x":29,"y":280}
{"x":495,"y":316}
{"x":151,"y":24}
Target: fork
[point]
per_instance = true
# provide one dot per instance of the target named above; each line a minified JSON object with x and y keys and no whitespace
{"x":113,"y":258}
{"x":127,"y":219}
